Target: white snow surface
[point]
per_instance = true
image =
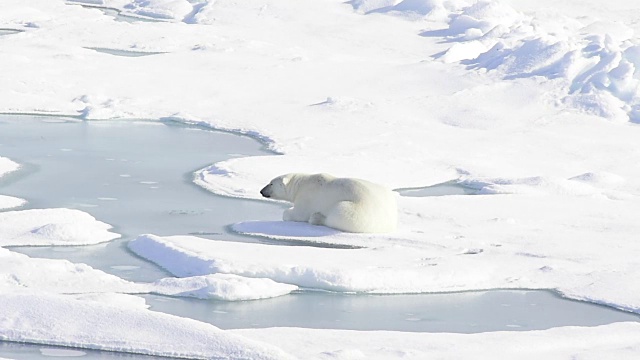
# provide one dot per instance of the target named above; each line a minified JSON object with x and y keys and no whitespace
{"x":535,"y":104}
{"x":36,"y":318}
{"x":52,"y":227}
{"x":405,"y":265}
{"x":7,"y":202}
{"x":222,"y":287}
{"x":7,"y":166}
{"x":56,"y":302}
{"x":615,"y":341}
{"x":18,"y":271}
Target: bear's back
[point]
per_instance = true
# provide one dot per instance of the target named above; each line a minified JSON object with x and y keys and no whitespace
{"x":359,"y":189}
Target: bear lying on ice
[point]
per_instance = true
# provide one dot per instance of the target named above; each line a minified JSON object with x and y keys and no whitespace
{"x":346,"y":204}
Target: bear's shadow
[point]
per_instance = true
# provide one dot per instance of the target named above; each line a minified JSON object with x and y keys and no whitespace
{"x":283,"y":229}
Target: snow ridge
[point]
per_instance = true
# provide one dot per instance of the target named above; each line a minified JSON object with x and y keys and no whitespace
{"x":597,"y":69}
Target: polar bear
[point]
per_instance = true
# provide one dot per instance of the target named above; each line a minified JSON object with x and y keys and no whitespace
{"x":347,"y":204}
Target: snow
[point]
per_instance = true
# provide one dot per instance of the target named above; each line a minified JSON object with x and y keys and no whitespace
{"x":19,"y":271}
{"x":500,"y":257}
{"x":7,"y":166}
{"x":56,"y":302}
{"x":535,"y":104}
{"x":7,"y":202}
{"x":222,"y":287}
{"x":52,"y":227}
{"x":595,"y":61}
{"x":35,"y":318}
{"x":114,"y":299}
{"x":615,"y":341}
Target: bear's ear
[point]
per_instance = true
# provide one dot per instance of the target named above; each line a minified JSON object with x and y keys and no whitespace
{"x":285,"y":179}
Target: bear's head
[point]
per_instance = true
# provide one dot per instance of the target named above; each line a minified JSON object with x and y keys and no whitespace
{"x":277,"y":188}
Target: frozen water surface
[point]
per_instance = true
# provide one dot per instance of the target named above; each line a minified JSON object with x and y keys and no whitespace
{"x":137,"y":176}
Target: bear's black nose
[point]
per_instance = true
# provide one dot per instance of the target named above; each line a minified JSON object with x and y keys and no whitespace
{"x":264,"y":192}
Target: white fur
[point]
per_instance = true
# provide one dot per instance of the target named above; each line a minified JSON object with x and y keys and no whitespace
{"x":346,"y":204}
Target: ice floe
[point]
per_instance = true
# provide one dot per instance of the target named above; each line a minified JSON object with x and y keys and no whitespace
{"x":41,"y":227}
{"x":609,"y":341}
{"x":413,"y":264}
{"x":18,"y":271}
{"x":41,"y":318}
{"x":6,"y":202}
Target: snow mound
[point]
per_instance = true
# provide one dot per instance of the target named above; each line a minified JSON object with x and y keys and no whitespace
{"x":63,"y":232}
{"x":63,"y":321}
{"x":40,"y":227}
{"x":222,"y":287}
{"x":596,"y":63}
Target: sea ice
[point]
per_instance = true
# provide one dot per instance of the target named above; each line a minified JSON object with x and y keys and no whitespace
{"x":596,"y":61}
{"x":533,"y":118}
{"x":615,"y":341}
{"x":222,"y":287}
{"x":435,"y":256}
{"x":7,"y":202}
{"x":7,"y":166}
{"x":35,"y":317}
{"x":52,"y":227}
{"x":18,"y":271}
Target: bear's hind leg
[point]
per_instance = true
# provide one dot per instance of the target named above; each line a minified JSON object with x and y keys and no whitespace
{"x":347,"y":216}
{"x":317,"y":219}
